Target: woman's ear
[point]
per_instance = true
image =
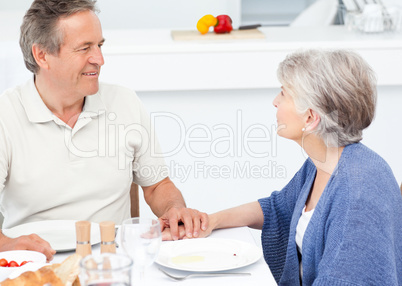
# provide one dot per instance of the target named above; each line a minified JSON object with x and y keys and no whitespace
{"x":313,"y":119}
{"x":40,"y":56}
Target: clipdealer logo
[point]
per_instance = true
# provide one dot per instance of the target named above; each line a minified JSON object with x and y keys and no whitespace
{"x":243,"y":145}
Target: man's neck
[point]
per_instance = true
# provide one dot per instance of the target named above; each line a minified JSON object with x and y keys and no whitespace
{"x":62,"y":105}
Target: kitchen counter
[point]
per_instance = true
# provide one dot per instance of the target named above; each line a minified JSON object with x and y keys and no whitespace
{"x":150,"y":60}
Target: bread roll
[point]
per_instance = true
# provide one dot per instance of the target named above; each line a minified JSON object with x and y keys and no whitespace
{"x":40,"y":277}
{"x":69,"y":269}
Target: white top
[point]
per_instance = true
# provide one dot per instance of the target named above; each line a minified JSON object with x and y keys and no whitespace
{"x":300,"y":230}
{"x":302,"y":226}
{"x":50,"y":171}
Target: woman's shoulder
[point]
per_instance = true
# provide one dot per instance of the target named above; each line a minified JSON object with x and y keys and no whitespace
{"x":365,"y":175}
{"x":358,"y":158}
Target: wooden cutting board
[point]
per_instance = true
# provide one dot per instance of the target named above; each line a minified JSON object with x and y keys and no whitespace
{"x":193,"y":35}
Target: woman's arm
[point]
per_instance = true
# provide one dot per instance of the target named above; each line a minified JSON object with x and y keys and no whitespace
{"x":249,"y":214}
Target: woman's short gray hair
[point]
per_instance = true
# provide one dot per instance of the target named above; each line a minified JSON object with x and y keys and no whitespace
{"x":40,"y":26}
{"x":339,"y":85}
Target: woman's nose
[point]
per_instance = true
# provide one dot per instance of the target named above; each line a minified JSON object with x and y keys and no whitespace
{"x":275,"y":101}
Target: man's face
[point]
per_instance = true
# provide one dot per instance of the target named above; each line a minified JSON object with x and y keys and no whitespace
{"x":75,"y":70}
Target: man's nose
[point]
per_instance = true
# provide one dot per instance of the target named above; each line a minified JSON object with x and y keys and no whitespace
{"x":97,"y":57}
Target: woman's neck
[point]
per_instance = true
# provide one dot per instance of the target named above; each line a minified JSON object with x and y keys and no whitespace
{"x":324,"y":158}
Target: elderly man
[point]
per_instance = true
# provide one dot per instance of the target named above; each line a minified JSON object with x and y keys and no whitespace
{"x":71,"y":147}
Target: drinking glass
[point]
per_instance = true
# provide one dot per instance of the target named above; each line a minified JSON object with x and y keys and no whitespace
{"x":141,"y":239}
{"x":107,"y":269}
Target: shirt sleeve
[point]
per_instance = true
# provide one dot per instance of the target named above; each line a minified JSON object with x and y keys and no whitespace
{"x":5,"y":150}
{"x":149,"y":165}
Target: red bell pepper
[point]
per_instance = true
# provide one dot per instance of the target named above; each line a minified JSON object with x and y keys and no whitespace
{"x":224,"y":24}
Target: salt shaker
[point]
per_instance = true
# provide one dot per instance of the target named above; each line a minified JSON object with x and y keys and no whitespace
{"x":83,"y":233}
{"x":107,"y":230}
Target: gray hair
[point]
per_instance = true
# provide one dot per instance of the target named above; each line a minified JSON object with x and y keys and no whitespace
{"x":339,"y":85}
{"x":40,"y":26}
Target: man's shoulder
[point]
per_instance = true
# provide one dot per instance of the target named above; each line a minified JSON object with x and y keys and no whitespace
{"x":108,"y":89}
{"x":119,"y":98}
{"x":8,"y":99}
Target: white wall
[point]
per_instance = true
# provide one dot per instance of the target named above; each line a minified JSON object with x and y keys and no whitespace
{"x":172,"y":14}
{"x":183,"y":14}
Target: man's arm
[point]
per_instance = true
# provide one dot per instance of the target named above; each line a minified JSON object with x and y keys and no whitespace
{"x":166,"y":201}
{"x":27,"y":242}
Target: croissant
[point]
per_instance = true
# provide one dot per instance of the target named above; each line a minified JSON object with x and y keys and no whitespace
{"x":64,"y":274}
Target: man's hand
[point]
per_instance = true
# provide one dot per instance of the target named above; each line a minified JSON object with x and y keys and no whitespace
{"x":167,"y":202}
{"x":183,"y":223}
{"x":27,"y":242}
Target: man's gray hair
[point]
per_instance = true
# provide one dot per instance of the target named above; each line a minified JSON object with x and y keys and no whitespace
{"x":40,"y":26}
{"x":339,"y":85}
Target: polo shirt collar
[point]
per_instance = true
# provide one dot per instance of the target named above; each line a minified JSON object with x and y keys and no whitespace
{"x":93,"y":106}
{"x":34,"y":106}
{"x":38,"y":112}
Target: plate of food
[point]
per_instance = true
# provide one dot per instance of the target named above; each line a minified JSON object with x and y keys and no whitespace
{"x":207,"y":254}
{"x":59,"y":233}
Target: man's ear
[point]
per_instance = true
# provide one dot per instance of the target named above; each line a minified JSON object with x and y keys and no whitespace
{"x":313,"y":120}
{"x":40,"y":56}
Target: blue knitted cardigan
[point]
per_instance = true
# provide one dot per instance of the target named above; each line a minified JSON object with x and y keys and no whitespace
{"x":355,"y":234}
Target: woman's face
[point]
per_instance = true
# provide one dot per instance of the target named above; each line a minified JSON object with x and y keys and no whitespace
{"x":290,"y":122}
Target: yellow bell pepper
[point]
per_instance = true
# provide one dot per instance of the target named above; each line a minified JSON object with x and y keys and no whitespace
{"x":205,"y":23}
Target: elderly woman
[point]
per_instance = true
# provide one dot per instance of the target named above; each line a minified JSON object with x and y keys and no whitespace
{"x":339,"y":220}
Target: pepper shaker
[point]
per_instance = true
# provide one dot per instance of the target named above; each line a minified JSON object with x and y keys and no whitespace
{"x":83,"y":233}
{"x":108,"y":233}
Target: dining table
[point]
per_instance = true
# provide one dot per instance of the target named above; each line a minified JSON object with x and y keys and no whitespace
{"x":259,"y":270}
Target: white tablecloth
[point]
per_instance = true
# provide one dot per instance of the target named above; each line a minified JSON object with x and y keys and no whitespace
{"x":260,"y":274}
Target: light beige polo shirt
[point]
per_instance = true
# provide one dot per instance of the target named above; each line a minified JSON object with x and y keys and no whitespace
{"x":50,"y":171}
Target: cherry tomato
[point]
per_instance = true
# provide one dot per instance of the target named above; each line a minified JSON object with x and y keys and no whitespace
{"x":3,"y":262}
{"x":13,"y":264}
{"x":24,"y":262}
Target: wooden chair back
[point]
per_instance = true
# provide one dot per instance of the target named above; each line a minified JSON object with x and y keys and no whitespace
{"x":135,"y":201}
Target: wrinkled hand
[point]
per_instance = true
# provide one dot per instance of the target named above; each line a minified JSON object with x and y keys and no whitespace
{"x":167,"y":235}
{"x":27,"y":242}
{"x":191,"y":223}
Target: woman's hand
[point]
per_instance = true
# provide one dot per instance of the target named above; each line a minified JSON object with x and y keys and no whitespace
{"x":167,"y":234}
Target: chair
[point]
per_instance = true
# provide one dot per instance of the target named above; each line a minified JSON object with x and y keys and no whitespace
{"x":135,"y":201}
{"x":320,"y":13}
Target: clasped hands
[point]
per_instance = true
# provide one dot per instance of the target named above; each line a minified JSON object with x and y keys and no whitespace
{"x":183,"y":223}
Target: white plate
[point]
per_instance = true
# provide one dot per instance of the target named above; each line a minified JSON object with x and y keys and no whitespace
{"x":207,"y":254}
{"x":59,"y":233}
